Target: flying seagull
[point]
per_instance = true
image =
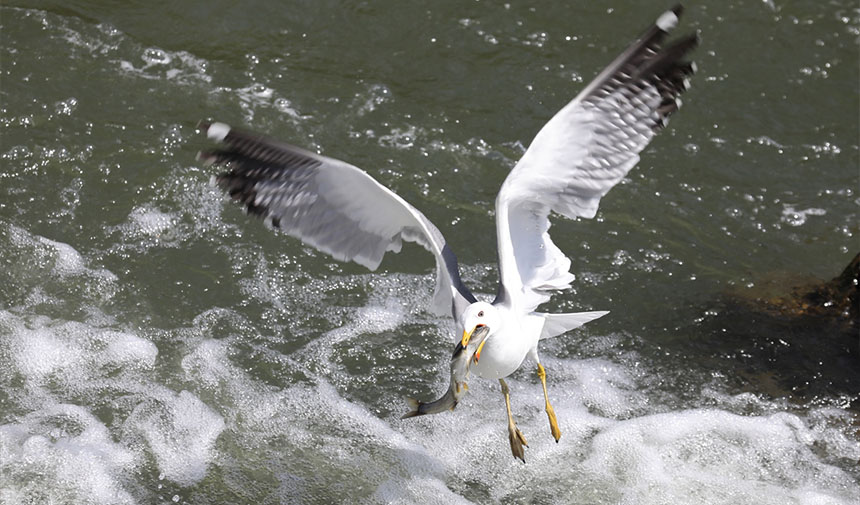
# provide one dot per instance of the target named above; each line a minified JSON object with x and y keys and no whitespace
{"x":575,"y":159}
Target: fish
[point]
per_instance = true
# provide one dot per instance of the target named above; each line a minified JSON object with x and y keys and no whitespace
{"x":461,"y":360}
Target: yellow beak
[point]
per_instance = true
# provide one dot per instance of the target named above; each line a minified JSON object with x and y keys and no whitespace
{"x":467,"y":335}
{"x":478,"y":352}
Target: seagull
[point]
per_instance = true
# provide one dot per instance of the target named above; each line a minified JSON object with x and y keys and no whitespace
{"x":575,"y":159}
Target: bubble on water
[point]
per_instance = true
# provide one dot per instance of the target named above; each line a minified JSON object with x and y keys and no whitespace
{"x":371,"y":99}
{"x":285,"y":106}
{"x":66,"y":107}
{"x":40,"y":353}
{"x":794,"y":217}
{"x":194,"y":212}
{"x":399,"y":138}
{"x":825,"y":148}
{"x":536,"y":39}
{"x":605,"y":387}
{"x":179,"y":66}
{"x":155,"y":56}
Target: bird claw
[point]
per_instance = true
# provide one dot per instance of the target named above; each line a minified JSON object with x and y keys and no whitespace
{"x":553,"y":422}
{"x":517,"y":442}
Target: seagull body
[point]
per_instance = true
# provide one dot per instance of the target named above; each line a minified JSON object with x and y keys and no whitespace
{"x":575,"y":159}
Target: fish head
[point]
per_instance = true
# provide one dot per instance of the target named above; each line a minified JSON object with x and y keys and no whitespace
{"x":475,"y":342}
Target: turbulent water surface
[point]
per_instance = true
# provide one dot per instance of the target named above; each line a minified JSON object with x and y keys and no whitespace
{"x":159,"y":346}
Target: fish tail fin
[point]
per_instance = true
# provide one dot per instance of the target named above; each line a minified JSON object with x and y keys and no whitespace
{"x":413,"y":408}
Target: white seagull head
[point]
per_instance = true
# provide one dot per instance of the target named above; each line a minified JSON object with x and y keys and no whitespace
{"x":478,"y":315}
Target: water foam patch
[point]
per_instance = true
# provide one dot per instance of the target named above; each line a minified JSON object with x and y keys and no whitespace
{"x":314,"y":437}
{"x":63,"y":453}
{"x":159,"y":64}
{"x":715,"y":456}
{"x":40,"y":271}
{"x":794,"y":217}
{"x":40,"y":353}
{"x":71,"y":357}
{"x":181,"y":431}
{"x":151,"y":225}
{"x":192,"y":212}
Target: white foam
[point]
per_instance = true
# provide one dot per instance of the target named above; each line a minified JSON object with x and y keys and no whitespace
{"x":605,"y":387}
{"x":400,"y":138}
{"x":68,"y":260}
{"x":127,"y":350}
{"x":274,"y":407}
{"x":46,"y":268}
{"x":181,"y":431}
{"x":714,"y":456}
{"x":619,"y":443}
{"x":195,"y":213}
{"x":151,"y":222}
{"x":375,"y":95}
{"x":66,"y":453}
{"x":794,"y":217}
{"x":40,"y":353}
{"x":158,"y":64}
{"x":314,"y":435}
{"x":156,"y":56}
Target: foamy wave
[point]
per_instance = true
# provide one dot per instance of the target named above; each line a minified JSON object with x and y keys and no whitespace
{"x":63,"y":453}
{"x":179,"y":66}
{"x":180,"y":430}
{"x":44,"y":271}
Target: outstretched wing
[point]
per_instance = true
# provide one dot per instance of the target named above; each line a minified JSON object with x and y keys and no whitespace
{"x":580,"y":154}
{"x":330,"y":205}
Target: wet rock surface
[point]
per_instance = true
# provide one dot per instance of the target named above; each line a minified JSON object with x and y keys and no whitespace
{"x":793,"y":337}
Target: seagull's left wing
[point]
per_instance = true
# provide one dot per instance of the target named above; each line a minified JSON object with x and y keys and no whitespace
{"x":580,"y":154}
{"x":330,"y":205}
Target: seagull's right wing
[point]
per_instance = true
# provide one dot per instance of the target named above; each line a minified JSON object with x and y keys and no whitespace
{"x":330,"y":205}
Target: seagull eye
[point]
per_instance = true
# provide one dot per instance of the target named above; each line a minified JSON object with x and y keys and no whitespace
{"x":481,"y":314}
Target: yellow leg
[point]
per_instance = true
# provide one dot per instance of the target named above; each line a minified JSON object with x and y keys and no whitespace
{"x":550,"y":412}
{"x":516,"y":437}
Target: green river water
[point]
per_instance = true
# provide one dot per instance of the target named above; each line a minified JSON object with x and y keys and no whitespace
{"x":159,"y":346}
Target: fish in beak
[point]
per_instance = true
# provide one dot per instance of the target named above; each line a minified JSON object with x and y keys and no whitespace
{"x":460,"y":362}
{"x":480,"y":333}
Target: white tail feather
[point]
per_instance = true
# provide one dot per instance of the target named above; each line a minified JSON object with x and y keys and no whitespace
{"x":556,"y":324}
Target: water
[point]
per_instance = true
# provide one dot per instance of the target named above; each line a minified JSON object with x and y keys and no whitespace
{"x":158,"y":346}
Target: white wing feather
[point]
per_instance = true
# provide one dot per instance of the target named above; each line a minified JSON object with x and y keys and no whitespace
{"x":330,"y":205}
{"x":579,"y":155}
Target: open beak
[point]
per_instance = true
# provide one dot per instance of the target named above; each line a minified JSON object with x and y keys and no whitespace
{"x":479,"y":332}
{"x":467,"y":335}
{"x":478,"y":352}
